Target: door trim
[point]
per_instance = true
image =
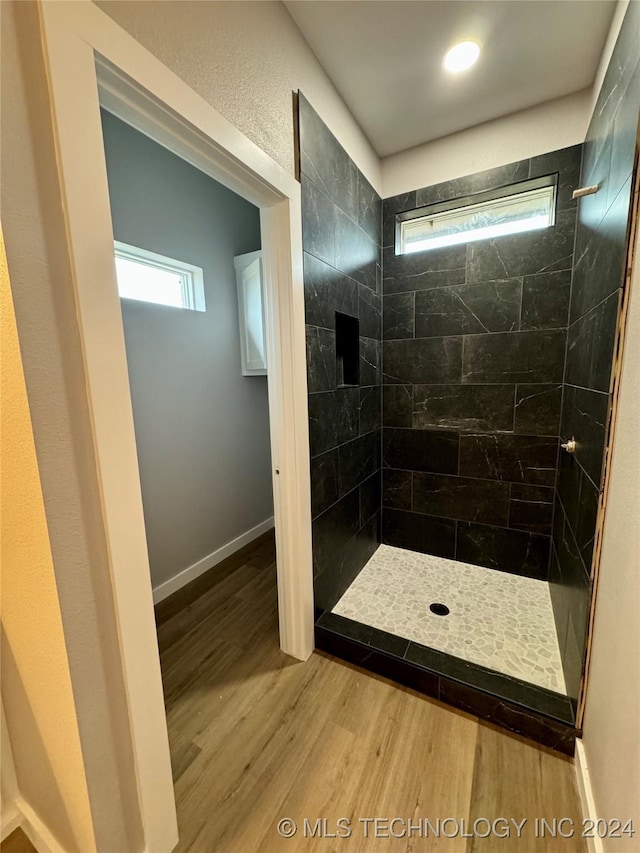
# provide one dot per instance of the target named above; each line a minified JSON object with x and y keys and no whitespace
{"x":92,"y":62}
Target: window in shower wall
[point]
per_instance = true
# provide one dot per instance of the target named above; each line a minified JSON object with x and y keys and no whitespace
{"x":526,"y":206}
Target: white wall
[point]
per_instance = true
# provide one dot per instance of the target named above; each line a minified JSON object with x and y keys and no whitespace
{"x":79,"y":587}
{"x":612,"y":720}
{"x":202,"y":428}
{"x":41,"y":731}
{"x":246,"y":59}
{"x":547,"y":127}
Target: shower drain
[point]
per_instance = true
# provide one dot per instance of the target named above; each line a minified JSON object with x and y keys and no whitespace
{"x":439,"y":609}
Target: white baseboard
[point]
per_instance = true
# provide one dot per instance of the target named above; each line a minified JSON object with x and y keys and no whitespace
{"x":164,"y":590}
{"x":587,"y":801}
{"x":34,"y":828}
{"x":11,"y":819}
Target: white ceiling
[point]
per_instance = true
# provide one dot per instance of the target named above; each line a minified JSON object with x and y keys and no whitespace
{"x":385,"y":59}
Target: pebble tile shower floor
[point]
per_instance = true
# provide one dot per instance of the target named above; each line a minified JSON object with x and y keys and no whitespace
{"x":498,"y":620}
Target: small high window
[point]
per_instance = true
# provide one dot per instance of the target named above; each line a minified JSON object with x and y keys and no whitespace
{"x":526,"y":206}
{"x":149,"y":277}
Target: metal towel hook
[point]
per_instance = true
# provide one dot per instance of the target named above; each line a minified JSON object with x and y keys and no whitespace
{"x":570,"y":446}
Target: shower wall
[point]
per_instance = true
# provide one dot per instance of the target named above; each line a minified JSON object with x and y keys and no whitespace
{"x":341,"y":225}
{"x":473,"y":363}
{"x":601,"y":246}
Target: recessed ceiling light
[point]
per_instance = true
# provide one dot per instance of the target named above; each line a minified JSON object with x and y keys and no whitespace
{"x":461,"y":56}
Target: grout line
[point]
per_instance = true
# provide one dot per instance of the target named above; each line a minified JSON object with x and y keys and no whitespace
{"x":477,"y":524}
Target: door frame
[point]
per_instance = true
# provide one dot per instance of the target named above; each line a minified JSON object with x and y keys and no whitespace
{"x":92,"y":62}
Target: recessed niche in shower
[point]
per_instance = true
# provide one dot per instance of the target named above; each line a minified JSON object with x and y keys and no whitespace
{"x":347,"y":350}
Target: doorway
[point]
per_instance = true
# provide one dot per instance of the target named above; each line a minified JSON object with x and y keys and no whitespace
{"x":201,"y":422}
{"x":91,"y":63}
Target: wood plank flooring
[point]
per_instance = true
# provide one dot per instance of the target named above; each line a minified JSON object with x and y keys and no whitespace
{"x":257,"y":737}
{"x":17,"y":842}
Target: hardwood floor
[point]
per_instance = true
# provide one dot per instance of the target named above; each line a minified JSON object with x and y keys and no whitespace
{"x":257,"y":737}
{"x":17,"y":842}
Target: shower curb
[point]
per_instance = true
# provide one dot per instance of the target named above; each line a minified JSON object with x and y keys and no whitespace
{"x":453,"y":682}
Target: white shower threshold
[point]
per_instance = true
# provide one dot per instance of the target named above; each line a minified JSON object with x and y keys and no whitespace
{"x":498,"y":620}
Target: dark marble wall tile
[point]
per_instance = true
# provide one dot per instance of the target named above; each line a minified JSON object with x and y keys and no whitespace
{"x":369,"y":409}
{"x":513,"y":551}
{"x":584,"y":418}
{"x":573,"y":653}
{"x":509,"y":307}
{"x":600,"y":258}
{"x":514,"y":458}
{"x":420,"y":450}
{"x":370,"y":497}
{"x":461,"y":498}
{"x":318,"y":223}
{"x":397,"y":405}
{"x":342,"y":236}
{"x":369,"y":361}
{"x":399,"y":316}
{"x":566,"y":163}
{"x":531,"y":508}
{"x":324,"y":481}
{"x":591,"y":341}
{"x":428,"y":360}
{"x":332,"y":531}
{"x":545,"y":300}
{"x":396,"y":489}
{"x":419,"y":532}
{"x":570,"y":593}
{"x":490,"y":306}
{"x":537,"y":410}
{"x":356,"y":254}
{"x":585,"y":528}
{"x":487,"y":180}
{"x":596,"y":165}
{"x":326,"y":290}
{"x":568,"y":486}
{"x":369,"y":209}
{"x":466,"y":408}
{"x":531,"y":253}
{"x":625,"y":128}
{"x":391,"y":207}
{"x":522,"y":357}
{"x":369,"y":312}
{"x":324,"y":161}
{"x":575,"y":580}
{"x":333,"y":419}
{"x":357,"y":461}
{"x":321,"y":359}
{"x":559,"y":597}
{"x":424,"y":270}
{"x":347,"y":558}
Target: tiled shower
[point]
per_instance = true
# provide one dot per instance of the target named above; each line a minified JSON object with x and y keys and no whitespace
{"x":453,"y":537}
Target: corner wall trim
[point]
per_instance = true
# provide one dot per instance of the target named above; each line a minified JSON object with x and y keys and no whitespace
{"x":35,"y":829}
{"x":11,"y":820}
{"x":585,"y":791}
{"x":167,"y":588}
